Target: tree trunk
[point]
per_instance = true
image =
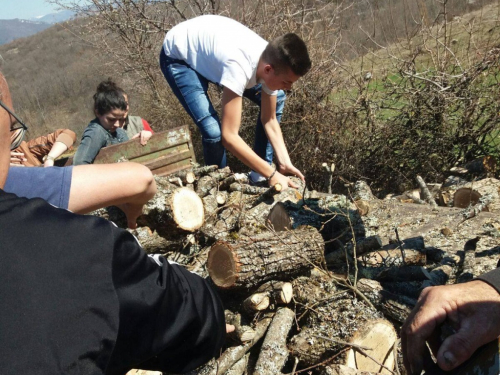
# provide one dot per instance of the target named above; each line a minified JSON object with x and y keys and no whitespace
{"x":248,"y":262}
{"x":274,"y":353}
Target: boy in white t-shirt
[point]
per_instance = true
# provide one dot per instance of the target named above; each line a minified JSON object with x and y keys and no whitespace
{"x":222,"y":51}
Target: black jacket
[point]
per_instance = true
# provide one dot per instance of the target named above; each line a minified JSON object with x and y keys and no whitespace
{"x":80,"y":296}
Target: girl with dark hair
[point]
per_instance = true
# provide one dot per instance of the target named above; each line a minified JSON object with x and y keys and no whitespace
{"x":110,"y":108}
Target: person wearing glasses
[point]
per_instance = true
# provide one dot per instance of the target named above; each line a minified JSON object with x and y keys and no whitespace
{"x":43,"y":150}
{"x":80,"y":296}
{"x":82,"y":189}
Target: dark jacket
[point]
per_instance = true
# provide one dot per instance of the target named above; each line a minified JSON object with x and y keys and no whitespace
{"x":80,"y":296}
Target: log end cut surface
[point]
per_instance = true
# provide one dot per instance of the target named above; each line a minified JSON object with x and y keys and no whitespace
{"x":187,"y":209}
{"x":222,"y":266}
{"x":378,"y":335}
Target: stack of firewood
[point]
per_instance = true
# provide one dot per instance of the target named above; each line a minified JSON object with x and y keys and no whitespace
{"x":313,"y":282}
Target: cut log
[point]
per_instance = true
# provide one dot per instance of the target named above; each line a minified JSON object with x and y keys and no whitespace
{"x":469,"y":193}
{"x":187,"y":176}
{"x":240,"y":367}
{"x":221,"y":197}
{"x":153,"y":243}
{"x":443,"y":272}
{"x":364,"y":245}
{"x":380,"y":336}
{"x":408,"y":273}
{"x":328,"y":327}
{"x":241,"y":178}
{"x":202,"y":171}
{"x":234,"y":354}
{"x":175,"y":211}
{"x":221,"y":174}
{"x":205,"y":185}
{"x":242,"y":332}
{"x":469,"y":261}
{"x":211,"y":206}
{"x":278,"y":219}
{"x":143,"y":372}
{"x":249,"y":262}
{"x":274,"y":353}
{"x":426,"y":194}
{"x":362,"y":191}
{"x":256,"y":302}
{"x":343,"y":370}
{"x":281,"y":292}
{"x":392,"y":258}
{"x":478,"y":167}
{"x":396,"y":307}
{"x":328,"y":176}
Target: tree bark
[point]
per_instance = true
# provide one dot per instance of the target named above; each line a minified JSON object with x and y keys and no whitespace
{"x":396,"y":307}
{"x":274,"y":353}
{"x":175,"y":212}
{"x":248,"y":262}
{"x":234,"y":354}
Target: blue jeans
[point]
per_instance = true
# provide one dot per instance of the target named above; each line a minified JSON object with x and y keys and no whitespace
{"x":191,"y":90}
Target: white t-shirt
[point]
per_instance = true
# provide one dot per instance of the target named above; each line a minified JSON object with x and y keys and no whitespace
{"x":220,"y":49}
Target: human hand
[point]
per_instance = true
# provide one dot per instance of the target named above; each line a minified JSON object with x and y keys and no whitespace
{"x":471,"y":309}
{"x":17,"y":158}
{"x":145,"y":135}
{"x":291,"y":171}
{"x":284,"y":181}
{"x":48,"y":163}
{"x":230,"y":328}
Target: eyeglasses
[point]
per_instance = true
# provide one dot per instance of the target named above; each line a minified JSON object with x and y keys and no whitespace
{"x":18,"y":129}
{"x":20,"y":124}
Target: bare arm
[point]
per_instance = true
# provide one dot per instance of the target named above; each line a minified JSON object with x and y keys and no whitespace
{"x":231,"y":122}
{"x":275,"y":136}
{"x":57,"y":150}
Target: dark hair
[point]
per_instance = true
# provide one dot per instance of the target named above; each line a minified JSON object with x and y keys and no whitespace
{"x":108,"y":97}
{"x":288,"y":51}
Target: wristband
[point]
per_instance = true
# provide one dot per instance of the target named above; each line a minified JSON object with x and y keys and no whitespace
{"x":272,"y":175}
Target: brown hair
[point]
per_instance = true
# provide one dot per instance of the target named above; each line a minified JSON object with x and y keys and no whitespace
{"x":109,"y":96}
{"x":288,"y":51}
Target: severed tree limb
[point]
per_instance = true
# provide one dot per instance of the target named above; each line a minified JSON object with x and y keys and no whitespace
{"x":469,"y":213}
{"x":469,"y":261}
{"x":426,"y":194}
{"x":202,"y":171}
{"x":274,"y":352}
{"x":242,"y":178}
{"x":234,"y":354}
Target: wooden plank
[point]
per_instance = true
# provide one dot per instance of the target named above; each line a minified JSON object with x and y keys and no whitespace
{"x":133,"y":148}
{"x":166,"y":152}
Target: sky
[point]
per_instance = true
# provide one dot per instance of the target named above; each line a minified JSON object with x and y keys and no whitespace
{"x":25,"y":9}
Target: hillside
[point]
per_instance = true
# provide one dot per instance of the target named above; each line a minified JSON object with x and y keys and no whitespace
{"x":339,"y":116}
{"x":52,"y":76}
{"x":16,"y":28}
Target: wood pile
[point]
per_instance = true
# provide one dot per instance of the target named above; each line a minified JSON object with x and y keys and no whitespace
{"x":317,"y":283}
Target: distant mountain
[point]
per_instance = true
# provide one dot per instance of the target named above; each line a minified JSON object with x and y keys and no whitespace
{"x":18,"y":28}
{"x":61,"y":16}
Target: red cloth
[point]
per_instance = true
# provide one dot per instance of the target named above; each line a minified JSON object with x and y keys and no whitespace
{"x":146,"y":126}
